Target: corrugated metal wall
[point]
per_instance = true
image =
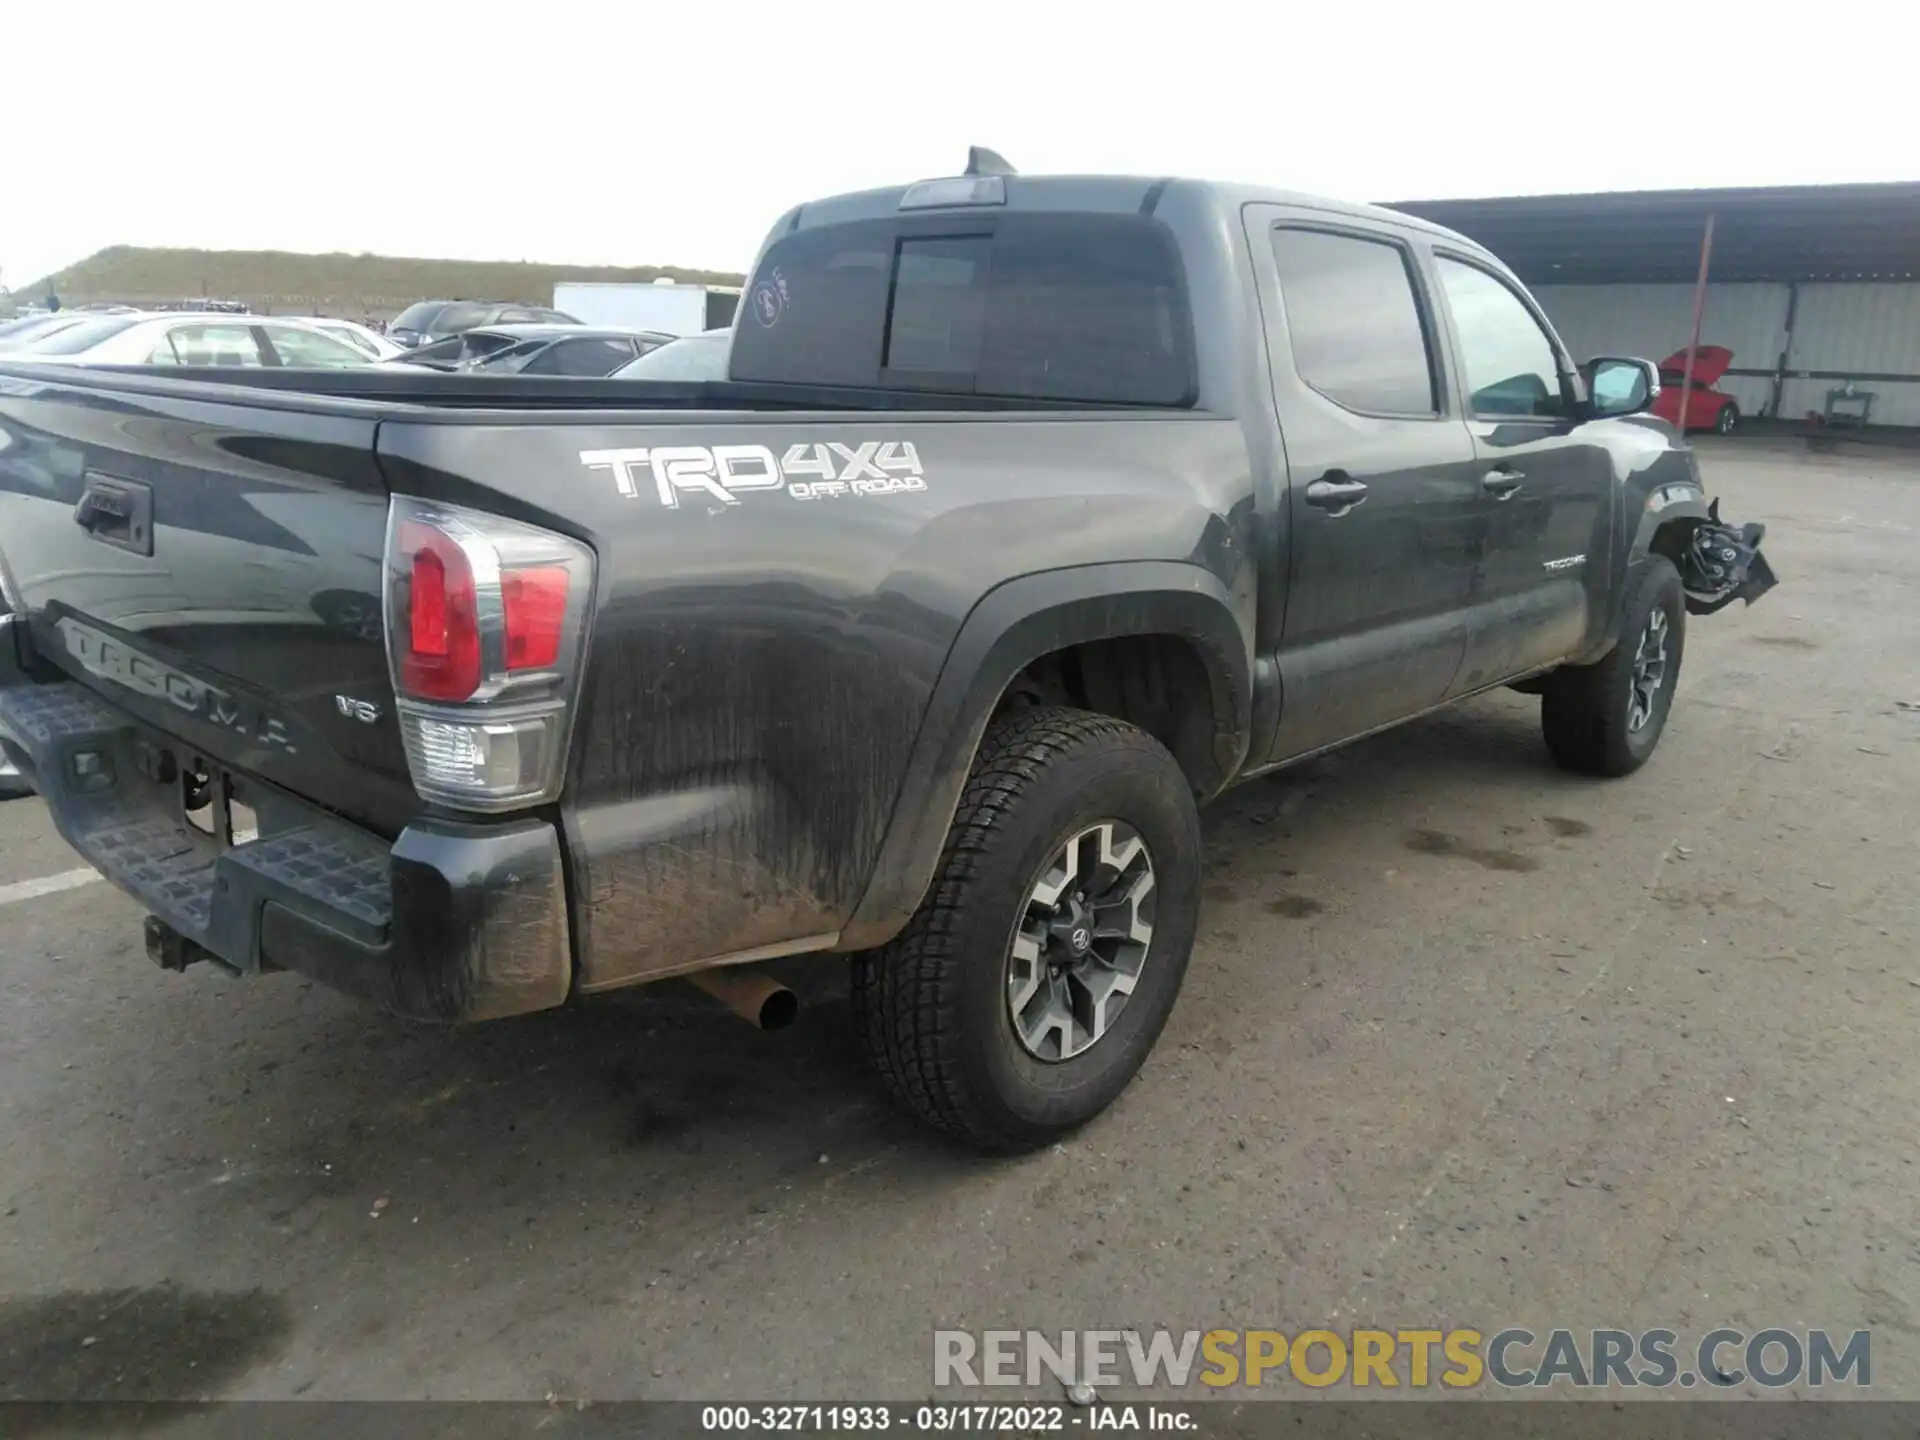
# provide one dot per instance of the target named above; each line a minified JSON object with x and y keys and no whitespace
{"x":1858,"y":327}
{"x":1655,"y":320}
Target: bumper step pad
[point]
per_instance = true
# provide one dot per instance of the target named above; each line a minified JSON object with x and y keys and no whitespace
{"x":131,"y":830}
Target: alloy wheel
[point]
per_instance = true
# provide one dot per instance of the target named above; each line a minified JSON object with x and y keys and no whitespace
{"x":1081,"y":940}
{"x":1649,"y":670}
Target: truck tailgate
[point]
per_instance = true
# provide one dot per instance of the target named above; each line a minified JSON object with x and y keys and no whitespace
{"x":214,"y":569}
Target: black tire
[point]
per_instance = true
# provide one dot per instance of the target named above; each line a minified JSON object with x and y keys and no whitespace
{"x":1586,"y":710}
{"x":931,"y":1008}
{"x":1727,"y":419}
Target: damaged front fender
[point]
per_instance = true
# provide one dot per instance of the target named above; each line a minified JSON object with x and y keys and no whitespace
{"x":1723,"y":564}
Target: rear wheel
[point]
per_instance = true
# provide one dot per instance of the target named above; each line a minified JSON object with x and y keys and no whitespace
{"x":1029,"y":987}
{"x":1728,"y":417}
{"x":1606,"y":718}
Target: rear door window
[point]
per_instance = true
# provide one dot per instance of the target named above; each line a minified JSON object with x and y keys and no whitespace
{"x":226,"y":345}
{"x":1028,"y":306}
{"x":1353,"y":321}
{"x":311,"y":350}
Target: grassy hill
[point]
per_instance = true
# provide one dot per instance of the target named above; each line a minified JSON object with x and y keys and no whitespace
{"x":281,"y":280}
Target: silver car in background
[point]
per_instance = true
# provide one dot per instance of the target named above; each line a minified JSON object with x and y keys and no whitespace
{"x":210,"y":339}
{"x":375,"y":345}
{"x":24,"y":331}
{"x":691,"y":357}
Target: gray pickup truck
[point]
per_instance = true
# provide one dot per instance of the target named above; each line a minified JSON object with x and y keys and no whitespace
{"x":1032,"y":513}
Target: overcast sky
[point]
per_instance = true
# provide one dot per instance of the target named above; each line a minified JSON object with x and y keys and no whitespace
{"x":637,"y":133}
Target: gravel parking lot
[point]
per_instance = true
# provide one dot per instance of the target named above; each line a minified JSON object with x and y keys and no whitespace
{"x":1465,"y":1041}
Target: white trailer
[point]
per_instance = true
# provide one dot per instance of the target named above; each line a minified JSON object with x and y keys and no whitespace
{"x":666,"y":306}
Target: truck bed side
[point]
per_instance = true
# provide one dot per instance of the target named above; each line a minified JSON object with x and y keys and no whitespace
{"x":771,"y":630}
{"x":762,"y":667}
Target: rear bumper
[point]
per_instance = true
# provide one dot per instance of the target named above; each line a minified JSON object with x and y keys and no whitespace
{"x":450,"y":922}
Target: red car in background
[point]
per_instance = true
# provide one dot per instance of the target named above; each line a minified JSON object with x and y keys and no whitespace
{"x":1707,"y":408}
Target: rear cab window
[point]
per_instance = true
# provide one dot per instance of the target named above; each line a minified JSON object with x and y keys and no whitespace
{"x":1023,"y":305}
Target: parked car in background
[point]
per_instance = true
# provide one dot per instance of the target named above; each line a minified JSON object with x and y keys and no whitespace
{"x":455,"y":352}
{"x":583,"y":351}
{"x":590,"y":348}
{"x":17,"y":334}
{"x":692,"y":357}
{"x":426,"y":321}
{"x":368,"y":342}
{"x":199,"y":340}
{"x":1707,"y":408}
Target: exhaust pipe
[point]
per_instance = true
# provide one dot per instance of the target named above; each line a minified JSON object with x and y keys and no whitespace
{"x":756,"y":997}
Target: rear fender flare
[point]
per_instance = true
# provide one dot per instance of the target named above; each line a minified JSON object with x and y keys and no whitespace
{"x":1012,"y":626}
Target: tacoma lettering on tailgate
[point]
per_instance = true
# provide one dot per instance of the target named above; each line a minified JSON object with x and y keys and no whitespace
{"x":100,"y":654}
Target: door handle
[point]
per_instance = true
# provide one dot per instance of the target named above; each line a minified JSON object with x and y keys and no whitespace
{"x":1336,"y":496}
{"x":1501,"y":483}
{"x":117,"y":513}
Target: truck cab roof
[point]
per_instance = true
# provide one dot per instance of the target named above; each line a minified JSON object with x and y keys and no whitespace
{"x":1090,"y":289}
{"x":1112,"y":194}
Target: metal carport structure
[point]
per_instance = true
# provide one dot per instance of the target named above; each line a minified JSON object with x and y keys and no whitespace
{"x":1789,"y":245}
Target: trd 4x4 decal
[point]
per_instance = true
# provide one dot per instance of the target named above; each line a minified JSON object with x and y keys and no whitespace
{"x":724,"y":473}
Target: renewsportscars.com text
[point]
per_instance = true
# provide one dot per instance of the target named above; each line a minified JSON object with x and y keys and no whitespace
{"x":1511,"y":1358}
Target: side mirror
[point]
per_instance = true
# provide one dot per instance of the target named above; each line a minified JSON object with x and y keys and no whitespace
{"x":1620,"y":386}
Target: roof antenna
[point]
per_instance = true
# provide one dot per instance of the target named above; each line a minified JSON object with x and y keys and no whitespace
{"x":982,"y":161}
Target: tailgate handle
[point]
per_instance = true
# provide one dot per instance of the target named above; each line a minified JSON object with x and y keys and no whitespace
{"x":117,"y":512}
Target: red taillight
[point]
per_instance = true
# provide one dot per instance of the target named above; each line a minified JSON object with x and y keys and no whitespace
{"x":486,"y":625}
{"x":441,"y":660}
{"x":535,"y":602}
